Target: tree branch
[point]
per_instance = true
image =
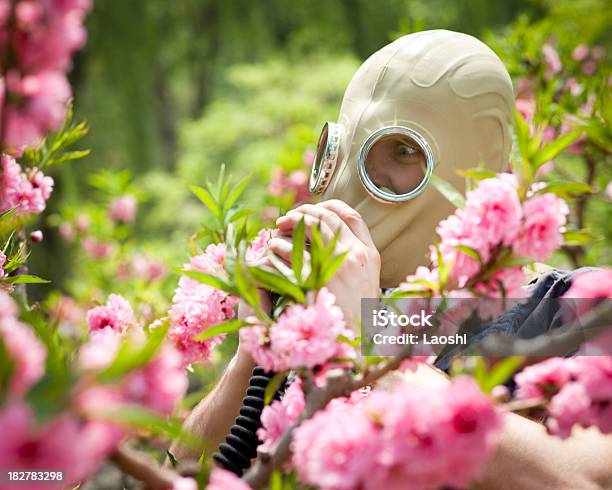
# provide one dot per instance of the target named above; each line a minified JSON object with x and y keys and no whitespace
{"x":144,"y":468}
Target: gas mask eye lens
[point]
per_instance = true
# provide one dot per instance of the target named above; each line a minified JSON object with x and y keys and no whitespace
{"x":326,"y":157}
{"x":395,"y":164}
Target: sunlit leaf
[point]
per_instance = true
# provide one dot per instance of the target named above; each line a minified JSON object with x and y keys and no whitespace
{"x":448,"y":191}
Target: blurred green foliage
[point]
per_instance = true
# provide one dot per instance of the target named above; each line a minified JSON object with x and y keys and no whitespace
{"x":171,"y":90}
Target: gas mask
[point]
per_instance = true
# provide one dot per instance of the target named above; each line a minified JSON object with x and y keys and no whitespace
{"x":430,"y":103}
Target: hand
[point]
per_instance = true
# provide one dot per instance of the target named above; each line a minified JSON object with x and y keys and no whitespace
{"x":359,"y":275}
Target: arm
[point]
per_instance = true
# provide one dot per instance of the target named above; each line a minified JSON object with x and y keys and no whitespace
{"x":527,"y":457}
{"x":211,"y":419}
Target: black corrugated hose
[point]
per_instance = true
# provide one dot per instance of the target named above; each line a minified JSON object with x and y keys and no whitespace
{"x":241,"y":443}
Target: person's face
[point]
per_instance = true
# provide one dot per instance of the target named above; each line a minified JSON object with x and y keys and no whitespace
{"x":396,"y":164}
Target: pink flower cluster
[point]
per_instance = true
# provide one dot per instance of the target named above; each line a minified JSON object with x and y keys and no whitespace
{"x":221,"y":479}
{"x":303,"y":336}
{"x":197,"y":306}
{"x":38,"y":38}
{"x":123,"y":209}
{"x":258,"y":244}
{"x":26,"y":192}
{"x":159,"y":384}
{"x":26,"y":352}
{"x":277,"y":417}
{"x":116,"y":315}
{"x":579,"y":390}
{"x":412,"y":438}
{"x":494,"y":219}
{"x":295,"y":182}
{"x":65,"y":443}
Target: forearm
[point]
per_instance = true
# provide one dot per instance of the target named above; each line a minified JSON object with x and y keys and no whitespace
{"x":211,"y":419}
{"x":527,"y":457}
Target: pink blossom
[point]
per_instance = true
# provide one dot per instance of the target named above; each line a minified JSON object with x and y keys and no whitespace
{"x":160,"y":384}
{"x":277,"y":417}
{"x":96,"y":249}
{"x":2,"y":262}
{"x":66,"y":231}
{"x":545,"y":169}
{"x":197,"y":306}
{"x":573,"y":87}
{"x":100,"y":351}
{"x":221,"y":479}
{"x":26,"y":352}
{"x":411,"y":437}
{"x":598,"y":53}
{"x":184,"y":484}
{"x":295,"y":183}
{"x":26,"y":193}
{"x":258,"y":244}
{"x":542,"y":379}
{"x":36,"y":236}
{"x":491,"y":218}
{"x":123,"y":209}
{"x":524,"y":88}
{"x":526,"y":108}
{"x":581,"y":52}
{"x":8,"y":307}
{"x":588,"y":287}
{"x":568,"y":408}
{"x":147,"y":269}
{"x":63,"y":444}
{"x":303,"y":336}
{"x":588,"y":67}
{"x":421,"y":279}
{"x":540,"y":235}
{"x":332,"y":454}
{"x":117,"y":315}
{"x":551,"y":61}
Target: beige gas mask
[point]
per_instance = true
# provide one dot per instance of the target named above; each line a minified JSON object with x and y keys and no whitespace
{"x":434,"y":102}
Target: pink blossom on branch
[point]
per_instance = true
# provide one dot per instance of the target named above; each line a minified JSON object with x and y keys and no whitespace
{"x":197,"y":306}
{"x":410,"y":438}
{"x":116,"y":315}
{"x":25,"y":351}
{"x":26,"y":192}
{"x":221,"y":479}
{"x":123,"y":209}
{"x":303,"y":336}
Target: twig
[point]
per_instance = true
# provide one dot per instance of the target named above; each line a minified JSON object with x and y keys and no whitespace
{"x":561,"y":341}
{"x":144,"y":468}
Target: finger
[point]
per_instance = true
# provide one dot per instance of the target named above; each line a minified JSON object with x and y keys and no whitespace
{"x":283,"y":249}
{"x":290,"y":221}
{"x":329,"y":218}
{"x":352,"y":219}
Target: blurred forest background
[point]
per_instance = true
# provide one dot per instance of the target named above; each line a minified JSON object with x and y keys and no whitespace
{"x":172,"y":89}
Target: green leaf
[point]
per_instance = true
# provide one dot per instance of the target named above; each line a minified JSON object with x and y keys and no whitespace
{"x":567,"y":190}
{"x":353,"y":343}
{"x":332,"y":266}
{"x":240,"y":214}
{"x":236,"y":192}
{"x":551,"y":150}
{"x":207,"y":199}
{"x":131,"y":355}
{"x":477,"y":173}
{"x":273,"y":386}
{"x":448,"y":191}
{"x":501,"y":372}
{"x":25,"y":279}
{"x":277,"y":283}
{"x":171,"y":458}
{"x":221,"y":328}
{"x":297,"y":253}
{"x":470,"y":251}
{"x":139,"y":417}
{"x":575,"y":237}
{"x":210,"y":280}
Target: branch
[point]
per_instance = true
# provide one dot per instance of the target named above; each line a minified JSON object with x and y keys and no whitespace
{"x":144,"y":468}
{"x":338,"y":383}
{"x":561,"y":341}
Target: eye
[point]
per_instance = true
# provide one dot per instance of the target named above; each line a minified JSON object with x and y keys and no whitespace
{"x":406,"y":150}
